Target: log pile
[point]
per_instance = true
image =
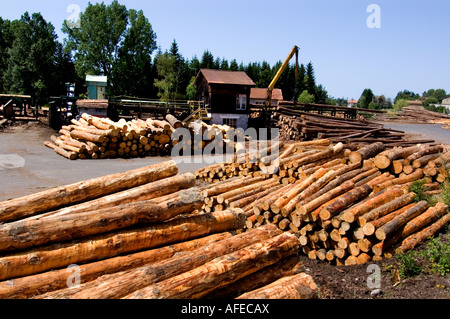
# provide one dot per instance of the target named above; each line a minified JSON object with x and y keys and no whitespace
{"x":141,"y":234}
{"x":337,"y":201}
{"x":415,"y":114}
{"x":92,"y":137}
{"x":296,"y":125}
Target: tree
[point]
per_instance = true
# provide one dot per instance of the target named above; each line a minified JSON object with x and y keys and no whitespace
{"x":224,"y":65}
{"x":234,"y":65}
{"x":400,"y":103}
{"x":310,"y":79}
{"x":207,"y":61}
{"x":6,"y":41}
{"x":191,"y":90}
{"x":305,"y":97}
{"x":366,"y":97}
{"x":165,"y":64}
{"x":96,"y":43}
{"x":438,"y":94}
{"x":30,"y":64}
{"x":131,"y":72}
{"x":406,"y":95}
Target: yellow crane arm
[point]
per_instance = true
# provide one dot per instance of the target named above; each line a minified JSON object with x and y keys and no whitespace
{"x":272,"y":84}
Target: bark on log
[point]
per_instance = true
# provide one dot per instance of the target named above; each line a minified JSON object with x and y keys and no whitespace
{"x":416,"y":175}
{"x":221,"y":271}
{"x":283,"y":268}
{"x":351,"y":214}
{"x":123,"y":283}
{"x":385,"y":158}
{"x":345,"y":201}
{"x":154,"y":190}
{"x":429,"y":216}
{"x":370,"y":227}
{"x":60,"y":151}
{"x":413,"y":240}
{"x":22,"y":235}
{"x":386,"y":208}
{"x":29,"y":286}
{"x":117,"y":243}
{"x":174,"y":121}
{"x":366,"y":152}
{"x":300,"y":286}
{"x":54,"y":198}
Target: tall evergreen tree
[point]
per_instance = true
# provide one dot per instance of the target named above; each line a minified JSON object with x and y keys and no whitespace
{"x":31,"y":56}
{"x":207,"y":61}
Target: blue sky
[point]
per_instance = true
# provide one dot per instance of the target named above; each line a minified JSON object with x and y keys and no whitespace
{"x":410,"y":50}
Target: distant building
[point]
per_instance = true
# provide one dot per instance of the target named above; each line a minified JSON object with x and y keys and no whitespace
{"x":227,"y":94}
{"x":258,"y":97}
{"x":352,"y":103}
{"x":96,"y":86}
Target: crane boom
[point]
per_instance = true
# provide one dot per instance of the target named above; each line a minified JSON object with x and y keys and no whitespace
{"x":272,"y":84}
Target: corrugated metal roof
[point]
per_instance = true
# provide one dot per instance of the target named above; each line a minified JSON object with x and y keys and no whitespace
{"x":226,"y":77}
{"x":261,"y":94}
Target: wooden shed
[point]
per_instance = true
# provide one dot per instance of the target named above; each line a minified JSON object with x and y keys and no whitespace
{"x":227,"y":94}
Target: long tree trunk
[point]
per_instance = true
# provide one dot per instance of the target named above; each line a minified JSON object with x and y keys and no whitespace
{"x":116,"y":243}
{"x":29,"y":286}
{"x":221,"y":271}
{"x":23,"y":235}
{"x":74,"y":193}
{"x":123,"y":283}
{"x":300,"y":286}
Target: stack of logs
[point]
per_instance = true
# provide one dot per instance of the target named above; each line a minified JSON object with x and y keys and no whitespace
{"x":415,"y":114}
{"x":298,"y":126}
{"x":345,"y":207}
{"x":92,"y":137}
{"x":140,"y":234}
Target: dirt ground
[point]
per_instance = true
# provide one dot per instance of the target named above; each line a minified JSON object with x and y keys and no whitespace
{"x":27,"y":166}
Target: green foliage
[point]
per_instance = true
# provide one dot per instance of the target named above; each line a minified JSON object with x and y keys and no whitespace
{"x":366,"y":98}
{"x":31,"y":56}
{"x":438,"y":255}
{"x":406,"y":95}
{"x":191,"y":90}
{"x":399,"y":104}
{"x":408,"y":264}
{"x":417,"y":188}
{"x":305,"y":97}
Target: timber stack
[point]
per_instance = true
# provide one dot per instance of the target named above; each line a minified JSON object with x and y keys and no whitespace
{"x":296,"y":125}
{"x":140,"y":234}
{"x":93,"y":137}
{"x":345,"y":206}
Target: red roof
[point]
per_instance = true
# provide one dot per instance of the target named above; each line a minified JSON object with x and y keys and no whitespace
{"x":226,"y":77}
{"x":261,"y":94}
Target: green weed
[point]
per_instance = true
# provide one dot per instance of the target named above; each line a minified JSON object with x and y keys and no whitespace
{"x":408,"y":265}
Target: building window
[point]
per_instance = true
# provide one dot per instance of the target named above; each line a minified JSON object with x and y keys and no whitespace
{"x":241,"y":102}
{"x":230,"y":122}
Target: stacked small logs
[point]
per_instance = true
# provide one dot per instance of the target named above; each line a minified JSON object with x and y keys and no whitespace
{"x":337,"y":201}
{"x":139,"y":234}
{"x":93,"y":137}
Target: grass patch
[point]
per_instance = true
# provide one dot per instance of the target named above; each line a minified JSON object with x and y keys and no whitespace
{"x":408,"y":265}
{"x":437,"y":254}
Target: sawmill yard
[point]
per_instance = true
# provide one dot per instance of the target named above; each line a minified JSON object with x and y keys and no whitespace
{"x":313,"y":261}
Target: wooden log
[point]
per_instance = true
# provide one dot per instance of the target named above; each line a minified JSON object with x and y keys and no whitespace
{"x":81,"y":135}
{"x":174,"y":121}
{"x":300,"y":286}
{"x":370,"y":227}
{"x":284,"y":268}
{"x":386,"y":208}
{"x":74,"y":193}
{"x":384,"y":159}
{"x":123,"y":283}
{"x":250,"y":200}
{"x":413,"y":240}
{"x":154,"y":190}
{"x":29,"y":286}
{"x":366,"y":152}
{"x":391,"y":226}
{"x":117,"y":243}
{"x":246,"y":189}
{"x":418,"y":174}
{"x":231,"y":185}
{"x":425,"y":151}
{"x":60,"y":151}
{"x":25,"y":234}
{"x":351,"y":214}
{"x":222,"y":271}
{"x":424,"y":219}
{"x":341,"y":203}
{"x":423,"y":160}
